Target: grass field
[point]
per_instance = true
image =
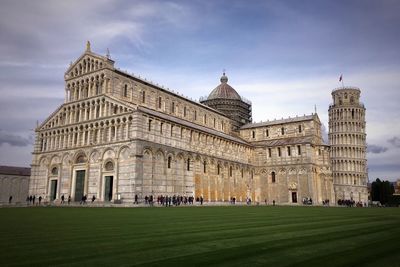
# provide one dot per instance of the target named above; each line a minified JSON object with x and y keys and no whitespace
{"x":200,"y":236}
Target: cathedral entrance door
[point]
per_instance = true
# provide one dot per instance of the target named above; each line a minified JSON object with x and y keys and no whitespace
{"x":79,"y":185}
{"x":53,"y":190}
{"x":294,"y":197}
{"x":108,"y":188}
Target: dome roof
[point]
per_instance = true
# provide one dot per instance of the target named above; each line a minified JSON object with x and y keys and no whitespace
{"x":224,"y":90}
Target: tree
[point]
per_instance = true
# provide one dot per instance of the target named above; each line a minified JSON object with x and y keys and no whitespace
{"x":381,"y":191}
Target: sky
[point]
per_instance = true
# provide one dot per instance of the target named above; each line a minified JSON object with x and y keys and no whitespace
{"x":285,"y":56}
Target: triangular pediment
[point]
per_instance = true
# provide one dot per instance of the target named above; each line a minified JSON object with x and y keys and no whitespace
{"x":61,"y":116}
{"x":86,"y":63}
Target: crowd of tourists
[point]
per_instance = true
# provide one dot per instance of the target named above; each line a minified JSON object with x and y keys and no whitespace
{"x":175,"y":200}
{"x":350,"y":203}
{"x":178,"y":200}
{"x":33,"y":200}
{"x":307,"y":201}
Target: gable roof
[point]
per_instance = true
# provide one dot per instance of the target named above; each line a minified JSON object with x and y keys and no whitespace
{"x":281,"y":121}
{"x":88,"y":53}
{"x":12,"y":170}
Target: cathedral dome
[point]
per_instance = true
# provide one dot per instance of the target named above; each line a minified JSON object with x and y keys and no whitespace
{"x":224,"y":91}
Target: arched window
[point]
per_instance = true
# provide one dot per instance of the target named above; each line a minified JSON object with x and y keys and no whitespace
{"x":173,"y":107}
{"x":230,"y":171}
{"x":143,"y":97}
{"x":218,"y":169}
{"x":273,"y":178}
{"x":188,"y":165}
{"x":300,"y":128}
{"x":351,"y":99}
{"x":80,"y":159}
{"x":204,"y":166}
{"x":98,"y":89}
{"x":54,"y":171}
{"x":126,"y":90}
{"x":253,"y":134}
{"x":282,"y":130}
{"x":159,"y":102}
{"x":109,"y":166}
{"x":169,"y":162}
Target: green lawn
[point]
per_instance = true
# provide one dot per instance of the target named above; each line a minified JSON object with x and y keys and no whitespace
{"x":200,"y":236}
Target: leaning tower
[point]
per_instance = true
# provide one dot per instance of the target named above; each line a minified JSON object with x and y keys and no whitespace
{"x":348,"y":146}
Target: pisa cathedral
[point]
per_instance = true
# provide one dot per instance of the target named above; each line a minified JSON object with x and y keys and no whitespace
{"x":118,"y":135}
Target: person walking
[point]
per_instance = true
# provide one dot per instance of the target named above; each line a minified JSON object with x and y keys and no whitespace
{"x":40,"y":200}
{"x":62,"y":199}
{"x":9,"y":200}
{"x":69,"y":199}
{"x":93,"y":198}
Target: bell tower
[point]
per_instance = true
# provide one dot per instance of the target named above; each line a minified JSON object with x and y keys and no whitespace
{"x":347,"y":138}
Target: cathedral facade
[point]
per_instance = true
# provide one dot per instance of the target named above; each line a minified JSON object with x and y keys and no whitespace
{"x":118,"y":135}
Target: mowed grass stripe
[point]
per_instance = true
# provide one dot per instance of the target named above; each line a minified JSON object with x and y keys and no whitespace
{"x":90,"y":236}
{"x":280,"y":241}
{"x":282,"y":253}
{"x":182,"y":231}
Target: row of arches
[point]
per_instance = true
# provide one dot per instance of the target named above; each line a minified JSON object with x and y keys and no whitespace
{"x":347,"y":152}
{"x":347,"y":139}
{"x":357,"y":127}
{"x":193,"y":174}
{"x":85,"y":111}
{"x":86,"y":65}
{"x":349,"y":165}
{"x":88,"y":87}
{"x":349,"y":179}
{"x":339,"y":114}
{"x":177,"y":135}
{"x":110,"y":130}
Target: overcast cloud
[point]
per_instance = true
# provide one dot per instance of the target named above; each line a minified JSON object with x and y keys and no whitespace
{"x":284,"y":56}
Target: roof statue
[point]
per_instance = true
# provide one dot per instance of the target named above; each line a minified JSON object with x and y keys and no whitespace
{"x":88,"y":46}
{"x":108,"y":54}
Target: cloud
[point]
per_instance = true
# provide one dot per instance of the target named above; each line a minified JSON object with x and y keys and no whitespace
{"x":376,"y":149}
{"x":395,"y":141}
{"x":14,"y":140}
{"x":324,"y":134}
